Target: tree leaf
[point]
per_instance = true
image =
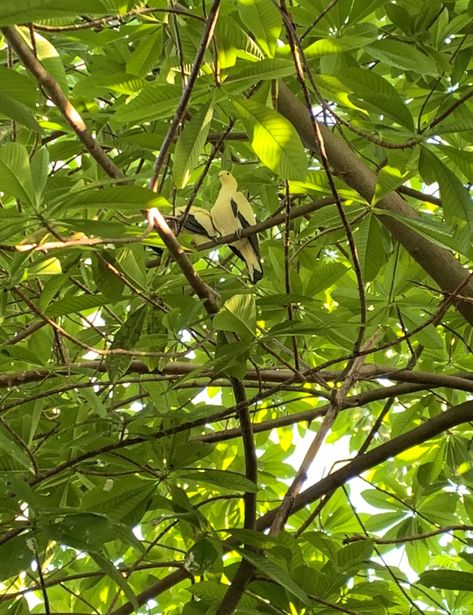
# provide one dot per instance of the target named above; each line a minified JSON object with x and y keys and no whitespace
{"x":237,"y":314}
{"x":30,"y":10}
{"x":370,"y":247}
{"x":120,"y":198}
{"x":263,"y":20}
{"x":377,"y":91}
{"x":447,"y":579}
{"x":273,"y":139}
{"x":15,"y":174}
{"x":190,"y":145}
{"x":403,"y":56}
{"x":275,"y":573}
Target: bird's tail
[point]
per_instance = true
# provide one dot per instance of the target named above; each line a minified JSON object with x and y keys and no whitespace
{"x":245,"y":251}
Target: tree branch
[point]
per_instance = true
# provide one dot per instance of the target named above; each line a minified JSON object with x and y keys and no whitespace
{"x":53,"y":90}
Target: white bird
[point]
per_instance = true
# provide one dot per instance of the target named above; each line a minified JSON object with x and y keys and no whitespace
{"x":230,"y":214}
{"x":199,"y":222}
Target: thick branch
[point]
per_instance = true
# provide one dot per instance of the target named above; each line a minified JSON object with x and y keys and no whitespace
{"x":439,"y":263}
{"x":428,"y":430}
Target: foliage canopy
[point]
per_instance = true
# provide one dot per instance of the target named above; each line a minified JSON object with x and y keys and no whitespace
{"x":164,"y":425}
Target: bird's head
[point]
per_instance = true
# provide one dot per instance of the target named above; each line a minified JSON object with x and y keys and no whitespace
{"x":227,"y":180}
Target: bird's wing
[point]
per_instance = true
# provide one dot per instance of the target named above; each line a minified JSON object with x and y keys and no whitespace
{"x":244,"y":208}
{"x":199,"y":221}
{"x":245,"y":220}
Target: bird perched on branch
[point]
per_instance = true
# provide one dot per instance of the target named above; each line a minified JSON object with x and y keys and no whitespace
{"x":230,"y":214}
{"x":199,"y":222}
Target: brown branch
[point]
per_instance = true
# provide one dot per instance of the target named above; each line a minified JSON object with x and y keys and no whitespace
{"x":102,"y":21}
{"x":53,"y":90}
{"x":461,"y":381}
{"x":251,"y":462}
{"x":456,"y":415}
{"x":154,"y":590}
{"x":414,"y":537}
{"x":202,"y":290}
{"x":449,"y":111}
{"x":338,"y":401}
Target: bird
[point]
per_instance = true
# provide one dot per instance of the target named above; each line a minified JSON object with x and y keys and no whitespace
{"x":199,"y":222}
{"x":231,"y":213}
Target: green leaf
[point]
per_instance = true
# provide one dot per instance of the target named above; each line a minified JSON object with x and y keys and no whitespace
{"x":74,"y":304}
{"x":237,"y":314}
{"x":40,"y":170}
{"x":269,"y":68}
{"x":87,"y":531}
{"x":273,"y":139}
{"x":124,"y":500}
{"x":31,"y":10}
{"x":353,"y":555}
{"x":456,"y":200}
{"x":111,"y":571}
{"x":190,"y":145}
{"x":49,"y":57}
{"x":227,"y":480}
{"x":19,"y":86}
{"x":403,"y":56}
{"x":447,"y":579}
{"x":370,"y":247}
{"x":263,"y":20}
{"x":18,"y":112}
{"x":202,"y":555}
{"x":14,"y":450}
{"x":153,"y":102}
{"x":100,"y":85}
{"x":276,"y":574}
{"x":325,"y":275}
{"x":15,"y":174}
{"x":16,"y":555}
{"x":389,"y":179}
{"x":45,"y":266}
{"x":126,"y":338}
{"x":378,"y":92}
{"x":118,"y":198}
{"x":359,"y":37}
{"x":145,"y":57}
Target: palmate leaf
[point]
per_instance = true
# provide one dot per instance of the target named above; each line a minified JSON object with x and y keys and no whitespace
{"x":273,"y":139}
